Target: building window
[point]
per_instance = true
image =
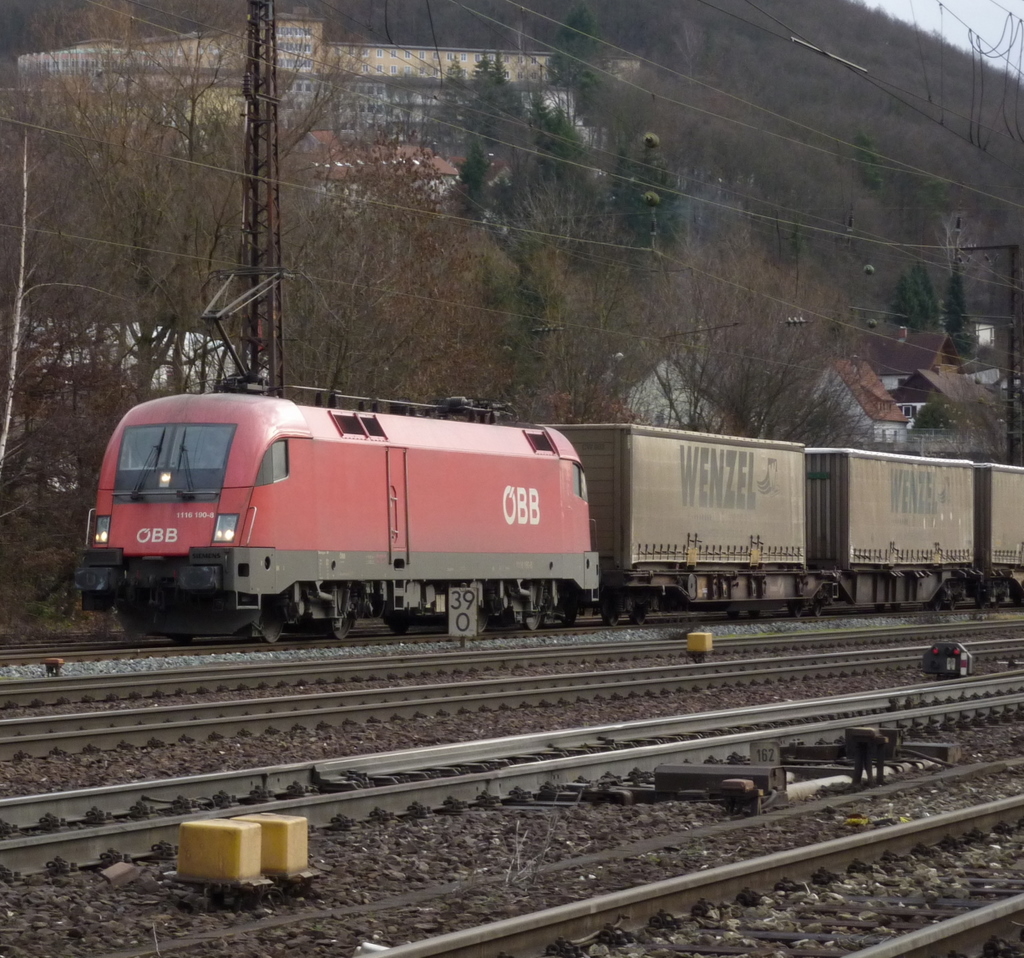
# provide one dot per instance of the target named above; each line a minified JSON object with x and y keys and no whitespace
{"x":380,"y":53}
{"x":463,"y":57}
{"x":394,"y":70}
{"x":380,"y":69}
{"x":408,"y":71}
{"x":450,"y":56}
{"x":408,"y":55}
{"x":366,"y":68}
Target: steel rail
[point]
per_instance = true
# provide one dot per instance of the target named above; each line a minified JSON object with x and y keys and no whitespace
{"x":110,"y":728}
{"x":529,"y":935}
{"x":461,"y":772}
{"x":33,"y":693}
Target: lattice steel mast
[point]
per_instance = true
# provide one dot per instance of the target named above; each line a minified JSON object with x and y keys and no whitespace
{"x":259,"y":362}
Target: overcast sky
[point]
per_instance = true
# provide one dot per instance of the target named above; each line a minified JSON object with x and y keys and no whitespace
{"x":953,"y":18}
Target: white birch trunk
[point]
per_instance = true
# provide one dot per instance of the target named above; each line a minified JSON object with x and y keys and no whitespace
{"x":19,"y":299}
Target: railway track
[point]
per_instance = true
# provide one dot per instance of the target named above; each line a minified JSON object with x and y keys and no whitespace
{"x":153,"y":726}
{"x":222,"y":678}
{"x":104,"y":648}
{"x":82,"y":826}
{"x":827,"y":915}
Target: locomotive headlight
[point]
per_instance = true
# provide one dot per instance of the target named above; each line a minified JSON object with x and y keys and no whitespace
{"x":102,"y":533}
{"x":225,"y":528}
{"x":165,"y":480}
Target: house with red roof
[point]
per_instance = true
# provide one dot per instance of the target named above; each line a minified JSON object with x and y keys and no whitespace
{"x":874,"y":410}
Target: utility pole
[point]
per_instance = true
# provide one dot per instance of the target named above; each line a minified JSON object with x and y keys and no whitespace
{"x":1014,"y":356}
{"x":259,"y":362}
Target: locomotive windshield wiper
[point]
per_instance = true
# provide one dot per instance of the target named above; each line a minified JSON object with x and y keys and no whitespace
{"x":150,"y":465}
{"x":183,"y":463}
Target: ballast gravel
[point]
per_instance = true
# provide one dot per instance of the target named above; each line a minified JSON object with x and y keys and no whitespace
{"x":388,"y":882}
{"x":30,"y":776}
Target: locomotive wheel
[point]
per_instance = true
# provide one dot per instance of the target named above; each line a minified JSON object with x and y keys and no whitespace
{"x":638,"y":614}
{"x":271,"y":626}
{"x":532,"y":621}
{"x":570,"y":610}
{"x":397,"y":622}
{"x":182,"y":639}
{"x":339,"y":628}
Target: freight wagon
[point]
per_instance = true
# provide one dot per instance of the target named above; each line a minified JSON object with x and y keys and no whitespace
{"x":893,"y":529}
{"x":687,"y":520}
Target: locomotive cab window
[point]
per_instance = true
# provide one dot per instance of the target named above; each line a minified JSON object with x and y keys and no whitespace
{"x":274,"y":467}
{"x":182,"y":459}
{"x":579,"y":481}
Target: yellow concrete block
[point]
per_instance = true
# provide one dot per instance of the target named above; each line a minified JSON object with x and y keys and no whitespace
{"x":284,"y":842}
{"x":698,"y":642}
{"x":219,"y":850}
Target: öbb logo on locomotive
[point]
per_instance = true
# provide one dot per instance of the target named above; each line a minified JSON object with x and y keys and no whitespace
{"x":521,"y":506}
{"x":157,"y":535}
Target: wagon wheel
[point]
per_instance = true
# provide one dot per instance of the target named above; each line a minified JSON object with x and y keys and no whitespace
{"x":610,"y":611}
{"x":339,"y":628}
{"x":638,"y":614}
{"x":532,"y":621}
{"x":181,"y":639}
{"x":397,"y":622}
{"x":797,"y":609}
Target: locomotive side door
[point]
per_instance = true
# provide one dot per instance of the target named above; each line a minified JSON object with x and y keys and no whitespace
{"x":398,"y":507}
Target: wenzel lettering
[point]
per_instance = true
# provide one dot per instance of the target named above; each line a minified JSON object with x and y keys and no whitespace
{"x":718,"y":478}
{"x":913,"y":491}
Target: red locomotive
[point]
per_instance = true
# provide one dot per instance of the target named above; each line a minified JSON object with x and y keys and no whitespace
{"x":234,"y":514}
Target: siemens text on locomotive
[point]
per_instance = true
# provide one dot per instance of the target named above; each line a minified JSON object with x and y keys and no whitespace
{"x":233,"y":514}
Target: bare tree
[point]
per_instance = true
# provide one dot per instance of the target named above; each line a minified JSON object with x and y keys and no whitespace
{"x":736,"y":358}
